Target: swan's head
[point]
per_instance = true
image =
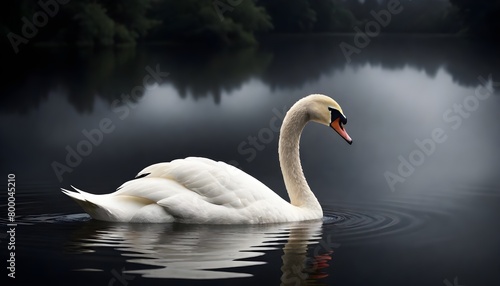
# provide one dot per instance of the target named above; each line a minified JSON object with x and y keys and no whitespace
{"x":325,"y":110}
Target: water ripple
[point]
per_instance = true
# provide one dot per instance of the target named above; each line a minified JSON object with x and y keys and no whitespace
{"x":370,"y":222}
{"x":215,"y":252}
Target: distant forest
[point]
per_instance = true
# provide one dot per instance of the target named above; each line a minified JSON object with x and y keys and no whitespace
{"x":230,"y":22}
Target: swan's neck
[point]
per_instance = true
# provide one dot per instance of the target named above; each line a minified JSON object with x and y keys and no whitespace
{"x":288,"y":149}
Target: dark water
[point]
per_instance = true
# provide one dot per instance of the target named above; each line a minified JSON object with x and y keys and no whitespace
{"x":414,"y":201}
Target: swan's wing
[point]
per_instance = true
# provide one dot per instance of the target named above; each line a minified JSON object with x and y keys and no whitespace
{"x":206,"y":191}
{"x":217,"y":182}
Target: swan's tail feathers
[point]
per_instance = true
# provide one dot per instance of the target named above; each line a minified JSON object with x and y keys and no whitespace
{"x":78,"y":195}
{"x":85,"y":200}
{"x":74,"y":195}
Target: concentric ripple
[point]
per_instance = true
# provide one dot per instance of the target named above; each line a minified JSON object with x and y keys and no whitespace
{"x":351,"y":223}
{"x":216,"y":252}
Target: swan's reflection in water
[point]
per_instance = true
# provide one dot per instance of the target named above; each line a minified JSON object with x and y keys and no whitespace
{"x":209,"y":251}
{"x":299,"y":268}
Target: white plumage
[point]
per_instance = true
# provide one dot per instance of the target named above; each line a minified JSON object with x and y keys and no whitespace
{"x":200,"y":190}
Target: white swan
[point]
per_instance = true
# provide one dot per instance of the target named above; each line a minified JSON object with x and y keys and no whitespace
{"x":200,"y":190}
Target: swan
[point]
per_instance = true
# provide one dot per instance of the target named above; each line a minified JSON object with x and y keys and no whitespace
{"x":203,"y":191}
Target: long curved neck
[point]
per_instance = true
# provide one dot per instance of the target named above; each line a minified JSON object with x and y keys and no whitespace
{"x":288,"y":150}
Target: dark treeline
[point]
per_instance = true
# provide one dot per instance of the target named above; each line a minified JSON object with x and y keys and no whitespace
{"x":226,"y":23}
{"x":83,"y":76}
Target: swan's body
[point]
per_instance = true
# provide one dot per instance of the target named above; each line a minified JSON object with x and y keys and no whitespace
{"x":200,"y":190}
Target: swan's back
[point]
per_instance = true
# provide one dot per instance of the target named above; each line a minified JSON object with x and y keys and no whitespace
{"x":191,"y":190}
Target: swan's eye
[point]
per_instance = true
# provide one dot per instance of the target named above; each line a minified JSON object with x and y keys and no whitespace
{"x":336,"y":114}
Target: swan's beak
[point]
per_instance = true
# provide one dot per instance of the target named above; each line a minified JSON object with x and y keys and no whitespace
{"x":337,"y":126}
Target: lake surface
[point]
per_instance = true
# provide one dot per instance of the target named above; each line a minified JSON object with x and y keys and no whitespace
{"x":414,"y":201}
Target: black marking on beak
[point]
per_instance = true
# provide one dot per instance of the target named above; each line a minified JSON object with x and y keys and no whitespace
{"x":336,"y":114}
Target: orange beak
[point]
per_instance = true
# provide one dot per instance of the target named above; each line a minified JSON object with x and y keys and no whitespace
{"x":337,"y":126}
